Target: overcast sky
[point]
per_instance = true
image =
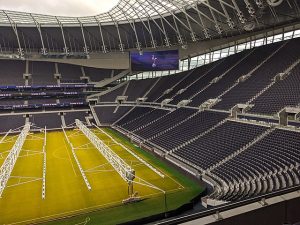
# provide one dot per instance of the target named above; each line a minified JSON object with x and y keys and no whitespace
{"x":60,"y":7}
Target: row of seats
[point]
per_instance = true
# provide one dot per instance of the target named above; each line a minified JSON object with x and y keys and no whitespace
{"x":42,"y":73}
{"x":221,"y":142}
{"x":168,"y":129}
{"x":107,"y":115}
{"x":283,"y":93}
{"x":270,"y":164}
{"x":243,"y":92}
{"x":207,"y":77}
{"x":48,"y":120}
{"x":225,"y":79}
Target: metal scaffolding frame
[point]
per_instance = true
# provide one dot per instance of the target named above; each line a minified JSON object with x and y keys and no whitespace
{"x":132,"y":153}
{"x":10,"y":161}
{"x":122,"y":168}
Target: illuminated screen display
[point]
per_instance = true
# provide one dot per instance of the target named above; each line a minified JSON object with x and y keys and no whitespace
{"x":155,"y":61}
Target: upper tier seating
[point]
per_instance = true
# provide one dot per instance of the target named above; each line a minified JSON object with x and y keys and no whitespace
{"x":138,"y":88}
{"x":263,"y":76}
{"x":260,"y":64}
{"x":11,"y":72}
{"x":163,"y":84}
{"x":96,"y":75}
{"x":189,"y":78}
{"x":207,"y":76}
{"x":42,"y":73}
{"x":229,"y":79}
{"x":283,"y":93}
{"x":70,"y":73}
{"x":112,"y":95}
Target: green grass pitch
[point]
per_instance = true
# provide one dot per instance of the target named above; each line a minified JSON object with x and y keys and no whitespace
{"x":68,"y":200}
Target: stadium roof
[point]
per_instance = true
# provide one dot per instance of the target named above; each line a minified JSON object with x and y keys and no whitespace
{"x":132,"y":10}
{"x":146,"y":23}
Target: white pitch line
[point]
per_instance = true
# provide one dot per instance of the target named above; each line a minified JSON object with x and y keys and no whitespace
{"x":97,"y":171}
{"x":84,"y":210}
{"x":25,"y":182}
{"x":66,"y":148}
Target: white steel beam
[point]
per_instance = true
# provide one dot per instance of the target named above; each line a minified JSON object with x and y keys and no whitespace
{"x":132,"y":153}
{"x":122,"y":168}
{"x":44,"y":166}
{"x":10,"y":161}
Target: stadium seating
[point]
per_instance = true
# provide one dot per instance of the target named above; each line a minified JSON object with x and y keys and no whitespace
{"x":70,"y":117}
{"x":204,"y":151}
{"x":286,"y":55}
{"x":195,"y":125}
{"x":191,"y":77}
{"x":70,"y":73}
{"x":48,"y":120}
{"x":235,"y":79}
{"x":163,"y":84}
{"x":283,"y":93}
{"x":138,"y":88}
{"x":11,"y":72}
{"x":230,"y":78}
{"x":96,"y":75}
{"x":11,"y":122}
{"x":171,"y":119}
{"x":206,"y":77}
{"x":42,"y":101}
{"x":133,"y":115}
{"x":112,"y":95}
{"x":42,"y":73}
{"x":107,"y":115}
{"x":148,"y":116}
{"x":270,"y":164}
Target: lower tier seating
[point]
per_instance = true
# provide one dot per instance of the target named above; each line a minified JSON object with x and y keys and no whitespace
{"x":216,"y":145}
{"x":107,"y":115}
{"x":270,"y":164}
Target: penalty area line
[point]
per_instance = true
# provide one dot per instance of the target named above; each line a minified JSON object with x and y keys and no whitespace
{"x":66,"y":148}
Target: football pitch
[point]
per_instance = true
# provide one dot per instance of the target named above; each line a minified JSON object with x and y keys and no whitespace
{"x":67,"y":198}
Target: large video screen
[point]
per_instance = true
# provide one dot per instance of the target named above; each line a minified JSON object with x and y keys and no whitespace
{"x":155,"y":61}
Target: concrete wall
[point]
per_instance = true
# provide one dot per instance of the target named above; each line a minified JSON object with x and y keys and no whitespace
{"x":113,"y":60}
{"x":287,"y":212}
